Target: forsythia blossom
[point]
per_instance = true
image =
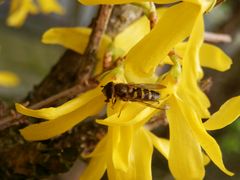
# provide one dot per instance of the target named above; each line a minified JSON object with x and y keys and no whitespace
{"x":120,"y":151}
{"x":19,"y":10}
{"x":8,"y":79}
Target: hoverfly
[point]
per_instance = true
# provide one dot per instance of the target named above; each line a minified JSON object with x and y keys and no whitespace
{"x":143,"y":93}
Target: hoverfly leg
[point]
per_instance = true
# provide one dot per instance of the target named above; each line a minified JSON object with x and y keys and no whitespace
{"x":121,"y":109}
{"x":151,"y":105}
{"x":114,"y":100}
{"x":163,"y":99}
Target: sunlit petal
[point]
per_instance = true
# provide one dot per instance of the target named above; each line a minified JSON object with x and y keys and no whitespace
{"x":192,"y":72}
{"x":213,"y":57}
{"x":141,"y":27}
{"x":95,"y":169}
{"x":206,"y":5}
{"x":69,"y":106}
{"x":132,"y":34}
{"x":49,"y":129}
{"x":93,"y":2}
{"x":161,"y":144}
{"x":74,"y":38}
{"x":207,"y":142}
{"x":206,"y":159}
{"x":121,"y":148}
{"x":19,"y":10}
{"x":143,"y":58}
{"x":124,"y":111}
{"x":210,"y":56}
{"x":195,"y":98}
{"x":8,"y":79}
{"x":131,"y":114}
{"x":99,"y":149}
{"x":142,"y":152}
{"x":228,"y":113}
{"x":185,"y":156}
{"x":48,"y":6}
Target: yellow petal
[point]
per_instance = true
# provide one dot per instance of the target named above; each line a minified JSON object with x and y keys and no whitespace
{"x":74,"y":38}
{"x":206,"y":159}
{"x":192,"y":94}
{"x":192,"y":72}
{"x":93,"y":2}
{"x":8,"y":79}
{"x":161,"y":144}
{"x":206,"y":5}
{"x":55,"y":112}
{"x":228,"y":113}
{"x":185,"y":156}
{"x":207,"y":142}
{"x":126,"y":40}
{"x":210,"y":56}
{"x":123,"y":111}
{"x":142,"y":151}
{"x":49,"y":129}
{"x":95,"y":169}
{"x":191,"y":64}
{"x":112,"y":172}
{"x":99,"y":149}
{"x":121,"y":148}
{"x":48,"y":6}
{"x":131,"y":114}
{"x":141,"y":27}
{"x":19,"y":10}
{"x":143,"y":58}
{"x":213,"y":57}
{"x":140,"y":166}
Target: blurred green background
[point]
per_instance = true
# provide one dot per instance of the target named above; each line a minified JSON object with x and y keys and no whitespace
{"x":22,"y":52}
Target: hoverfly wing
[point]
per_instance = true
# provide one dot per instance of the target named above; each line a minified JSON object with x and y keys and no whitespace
{"x":148,"y":86}
{"x":150,"y":105}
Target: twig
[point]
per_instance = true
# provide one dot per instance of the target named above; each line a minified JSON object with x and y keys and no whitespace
{"x":99,"y":28}
{"x":153,"y":17}
{"x":219,"y":2}
{"x":88,"y":60}
{"x":217,"y":37}
{"x":206,"y":84}
{"x":11,"y":119}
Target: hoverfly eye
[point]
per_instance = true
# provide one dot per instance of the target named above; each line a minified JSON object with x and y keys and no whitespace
{"x":107,"y":90}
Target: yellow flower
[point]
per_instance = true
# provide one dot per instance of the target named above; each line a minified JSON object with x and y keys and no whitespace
{"x":187,"y":106}
{"x":118,"y":152}
{"x":64,"y":117}
{"x":126,"y":153}
{"x":77,"y":40}
{"x":8,"y":79}
{"x":69,"y":114}
{"x":19,"y":10}
{"x":174,"y":26}
{"x":187,"y":103}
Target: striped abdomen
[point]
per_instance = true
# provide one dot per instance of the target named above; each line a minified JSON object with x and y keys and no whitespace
{"x":131,"y":93}
{"x":144,"y":94}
